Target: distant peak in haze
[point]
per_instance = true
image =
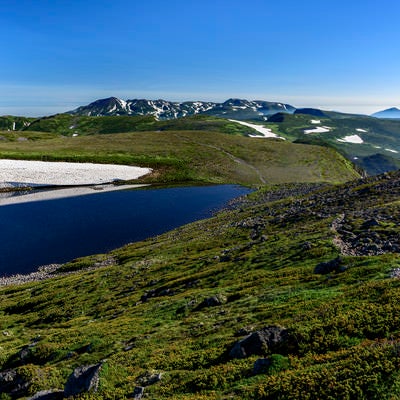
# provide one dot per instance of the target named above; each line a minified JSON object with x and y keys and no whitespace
{"x":392,"y":112}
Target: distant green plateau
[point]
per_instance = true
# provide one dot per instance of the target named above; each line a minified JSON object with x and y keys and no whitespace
{"x":378,"y":149}
{"x":194,"y":149}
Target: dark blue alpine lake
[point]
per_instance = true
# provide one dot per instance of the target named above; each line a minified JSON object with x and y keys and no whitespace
{"x":56,"y":231}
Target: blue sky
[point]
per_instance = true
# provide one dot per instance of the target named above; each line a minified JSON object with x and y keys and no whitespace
{"x":58,"y":54}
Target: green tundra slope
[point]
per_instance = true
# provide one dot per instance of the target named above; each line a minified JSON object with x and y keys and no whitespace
{"x":68,"y":125}
{"x":357,"y":137}
{"x":292,"y":293}
{"x":188,"y":155}
{"x":369,"y":142}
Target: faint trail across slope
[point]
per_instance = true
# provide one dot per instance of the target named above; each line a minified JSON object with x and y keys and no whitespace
{"x":230,"y":155}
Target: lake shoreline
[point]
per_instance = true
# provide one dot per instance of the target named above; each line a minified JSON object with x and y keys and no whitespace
{"x":41,"y":233}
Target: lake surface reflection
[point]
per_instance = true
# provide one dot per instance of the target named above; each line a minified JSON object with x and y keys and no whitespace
{"x":56,"y":231}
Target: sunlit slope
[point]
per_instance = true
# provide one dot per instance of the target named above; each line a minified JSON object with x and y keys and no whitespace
{"x":205,"y":156}
{"x":354,"y":136}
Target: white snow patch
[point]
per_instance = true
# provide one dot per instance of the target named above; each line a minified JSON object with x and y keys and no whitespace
{"x":361,"y":130}
{"x":265,"y":132}
{"x":392,"y":151}
{"x":315,"y":121}
{"x":63,"y":173}
{"x":320,"y":129}
{"x":123,"y":103}
{"x":351,"y":139}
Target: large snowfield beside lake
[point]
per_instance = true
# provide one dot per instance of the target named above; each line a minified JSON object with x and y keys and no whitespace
{"x":20,"y":172}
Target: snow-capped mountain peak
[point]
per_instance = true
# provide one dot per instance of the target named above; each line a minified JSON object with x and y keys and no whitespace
{"x":163,"y":109}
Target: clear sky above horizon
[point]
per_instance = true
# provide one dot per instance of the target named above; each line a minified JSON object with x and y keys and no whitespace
{"x":59,"y":54}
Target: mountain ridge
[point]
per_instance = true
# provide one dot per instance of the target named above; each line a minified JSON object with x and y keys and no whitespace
{"x":164,"y":109}
{"x":230,"y":108}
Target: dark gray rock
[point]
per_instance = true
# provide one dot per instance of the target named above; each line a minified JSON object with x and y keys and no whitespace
{"x":11,"y":382}
{"x":269,"y":339}
{"x":213,"y":301}
{"x":370,"y":223}
{"x":149,"y":378}
{"x":48,"y":395}
{"x":306,"y":246}
{"x":327,"y":267}
{"x":138,"y":392}
{"x":83,"y":379}
{"x":261,"y":366}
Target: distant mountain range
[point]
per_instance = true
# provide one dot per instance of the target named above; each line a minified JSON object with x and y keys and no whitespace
{"x":240,"y":109}
{"x":371,"y":142}
{"x":163,"y":109}
{"x":388,"y":113}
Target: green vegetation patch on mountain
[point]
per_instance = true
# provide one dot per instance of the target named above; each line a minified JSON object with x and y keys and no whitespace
{"x":378,"y":136}
{"x":67,"y":124}
{"x":12,"y":123}
{"x":202,"y":156}
{"x":291,"y":293}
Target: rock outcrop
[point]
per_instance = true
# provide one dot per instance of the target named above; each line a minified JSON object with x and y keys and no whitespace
{"x":83,"y":379}
{"x":267,"y":340}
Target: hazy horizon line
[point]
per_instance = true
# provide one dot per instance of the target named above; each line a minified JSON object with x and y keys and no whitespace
{"x":40,"y":101}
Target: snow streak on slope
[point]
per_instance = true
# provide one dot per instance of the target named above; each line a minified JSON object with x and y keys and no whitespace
{"x":351,"y":139}
{"x":320,"y":129}
{"x":265,"y":132}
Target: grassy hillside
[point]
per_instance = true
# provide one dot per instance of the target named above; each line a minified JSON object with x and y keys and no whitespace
{"x":379,"y":136}
{"x":205,"y":156}
{"x":11,"y":123}
{"x":66,"y":124}
{"x":317,"y":265}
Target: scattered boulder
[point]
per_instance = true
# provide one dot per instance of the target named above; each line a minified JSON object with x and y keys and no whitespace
{"x":327,"y":267}
{"x":12,"y":383}
{"x":83,"y":379}
{"x":262,"y":342}
{"x":150,"y":378}
{"x":395,"y":273}
{"x":306,"y":246}
{"x":138,"y":392}
{"x":48,"y":395}
{"x":261,"y":366}
{"x":213,"y":301}
{"x":370,"y":223}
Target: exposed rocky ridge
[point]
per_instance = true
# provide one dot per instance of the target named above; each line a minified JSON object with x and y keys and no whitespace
{"x":364,"y":219}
